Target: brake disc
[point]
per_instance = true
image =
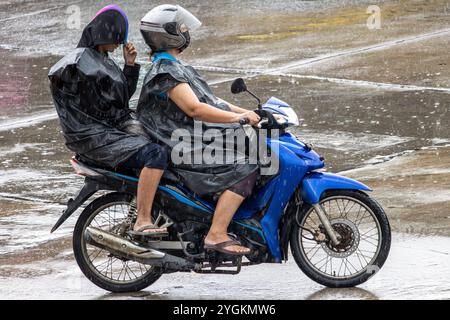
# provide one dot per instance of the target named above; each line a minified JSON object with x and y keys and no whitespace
{"x":349,"y":236}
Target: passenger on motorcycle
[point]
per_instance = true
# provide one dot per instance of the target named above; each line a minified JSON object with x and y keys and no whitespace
{"x":91,"y":95}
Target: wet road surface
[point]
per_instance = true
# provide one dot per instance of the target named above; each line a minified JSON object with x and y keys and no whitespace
{"x":417,"y":269}
{"x":374,"y":103}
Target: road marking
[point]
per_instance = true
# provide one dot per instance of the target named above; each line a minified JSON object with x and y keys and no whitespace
{"x":368,"y":84}
{"x":376,"y":47}
{"x":27,"y":121}
{"x":33,"y":13}
{"x":17,"y":197}
{"x":251,"y":73}
{"x":357,"y":83}
{"x":29,"y":14}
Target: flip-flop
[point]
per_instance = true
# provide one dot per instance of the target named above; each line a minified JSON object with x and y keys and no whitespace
{"x":220,"y":247}
{"x":154,"y":231}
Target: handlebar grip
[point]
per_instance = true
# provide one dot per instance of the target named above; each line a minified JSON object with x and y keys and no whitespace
{"x":244,"y":121}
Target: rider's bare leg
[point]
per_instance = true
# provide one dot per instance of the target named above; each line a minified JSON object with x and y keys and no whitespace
{"x":228,"y":204}
{"x":147,"y":187}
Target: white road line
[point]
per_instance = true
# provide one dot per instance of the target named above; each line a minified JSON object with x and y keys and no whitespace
{"x":250,"y":73}
{"x":18,"y":197}
{"x":27,"y":121}
{"x":368,"y":84}
{"x":376,"y":47}
{"x":33,"y":13}
{"x":29,"y":14}
{"x":349,"y":82}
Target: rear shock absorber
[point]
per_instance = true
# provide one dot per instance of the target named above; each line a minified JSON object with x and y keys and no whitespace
{"x":131,"y":218}
{"x":132,"y":213}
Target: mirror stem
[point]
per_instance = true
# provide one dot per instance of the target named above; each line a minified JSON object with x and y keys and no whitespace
{"x":254,"y":96}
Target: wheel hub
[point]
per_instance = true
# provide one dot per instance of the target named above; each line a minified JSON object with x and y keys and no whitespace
{"x":348,"y":235}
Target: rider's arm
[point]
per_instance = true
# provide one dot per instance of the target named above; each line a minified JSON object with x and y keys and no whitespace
{"x":131,"y":69}
{"x":183,"y":96}
{"x":233,"y":108}
{"x":132,"y":75}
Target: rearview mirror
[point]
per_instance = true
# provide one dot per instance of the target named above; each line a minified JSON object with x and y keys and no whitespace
{"x":238,"y":86}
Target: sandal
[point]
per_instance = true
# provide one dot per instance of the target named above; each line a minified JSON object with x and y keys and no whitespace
{"x":153,"y":231}
{"x":221,"y":247}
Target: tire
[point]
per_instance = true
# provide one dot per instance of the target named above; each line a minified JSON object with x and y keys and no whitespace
{"x":148,"y":277}
{"x":374,"y":265}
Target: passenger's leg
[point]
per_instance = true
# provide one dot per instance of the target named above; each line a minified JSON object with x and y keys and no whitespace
{"x":153,"y":159}
{"x":148,"y":185}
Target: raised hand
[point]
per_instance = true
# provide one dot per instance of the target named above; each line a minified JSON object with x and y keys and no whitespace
{"x":129,"y":54}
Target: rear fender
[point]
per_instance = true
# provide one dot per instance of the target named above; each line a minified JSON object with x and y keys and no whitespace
{"x":89,"y":189}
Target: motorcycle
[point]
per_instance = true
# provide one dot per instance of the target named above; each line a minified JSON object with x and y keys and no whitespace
{"x":338,"y":235}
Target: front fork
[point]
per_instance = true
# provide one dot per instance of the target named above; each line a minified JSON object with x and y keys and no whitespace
{"x":326,"y":223}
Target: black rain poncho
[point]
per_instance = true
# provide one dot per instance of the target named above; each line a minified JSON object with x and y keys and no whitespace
{"x":161,"y":117}
{"x":91,"y":95}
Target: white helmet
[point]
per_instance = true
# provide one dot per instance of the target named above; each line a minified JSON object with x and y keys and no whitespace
{"x":167,"y":27}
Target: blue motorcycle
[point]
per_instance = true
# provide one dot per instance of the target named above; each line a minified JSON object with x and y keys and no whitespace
{"x":338,"y":235}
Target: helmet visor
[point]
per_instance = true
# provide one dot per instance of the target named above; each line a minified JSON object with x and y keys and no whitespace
{"x":188,"y":19}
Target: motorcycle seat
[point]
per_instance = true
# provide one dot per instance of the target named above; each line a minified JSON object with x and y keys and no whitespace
{"x":94,"y":165}
{"x":168,"y":174}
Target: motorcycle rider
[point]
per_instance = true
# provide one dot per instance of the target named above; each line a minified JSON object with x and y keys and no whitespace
{"x":174,"y":96}
{"x":91,"y":95}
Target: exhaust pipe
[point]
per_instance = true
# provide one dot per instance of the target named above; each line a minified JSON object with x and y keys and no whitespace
{"x":125,"y":248}
{"x":131,"y":251}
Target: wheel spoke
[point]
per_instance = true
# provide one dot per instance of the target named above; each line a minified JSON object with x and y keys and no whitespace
{"x":318,"y":248}
{"x":98,"y":253}
{"x":339,"y":208}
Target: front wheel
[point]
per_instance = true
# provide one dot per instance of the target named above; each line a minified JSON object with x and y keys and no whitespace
{"x":364,"y":239}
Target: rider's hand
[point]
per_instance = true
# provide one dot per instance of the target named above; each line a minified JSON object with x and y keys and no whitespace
{"x":252,"y":117}
{"x":129,"y":54}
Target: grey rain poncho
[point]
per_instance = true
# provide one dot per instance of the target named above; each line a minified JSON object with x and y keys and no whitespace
{"x":161,"y":117}
{"x":91,"y":95}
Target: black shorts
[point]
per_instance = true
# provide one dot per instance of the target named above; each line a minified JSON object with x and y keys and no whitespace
{"x":152,"y":156}
{"x":245,"y":187}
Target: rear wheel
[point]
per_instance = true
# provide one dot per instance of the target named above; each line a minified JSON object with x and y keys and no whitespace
{"x":364,"y":233}
{"x":109,"y":272}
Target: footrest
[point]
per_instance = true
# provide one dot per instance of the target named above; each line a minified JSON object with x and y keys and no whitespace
{"x":213,"y":267}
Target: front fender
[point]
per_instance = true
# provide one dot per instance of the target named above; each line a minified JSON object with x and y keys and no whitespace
{"x":316,"y":183}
